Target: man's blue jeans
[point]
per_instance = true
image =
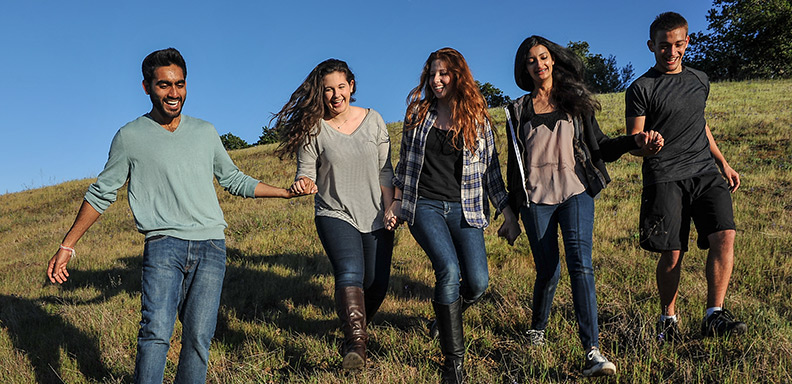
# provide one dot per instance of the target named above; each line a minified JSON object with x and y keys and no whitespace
{"x":180,"y":278}
{"x":575,"y":216}
{"x":455,"y":248}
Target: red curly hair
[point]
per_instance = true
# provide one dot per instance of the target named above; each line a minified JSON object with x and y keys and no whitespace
{"x":468,"y":107}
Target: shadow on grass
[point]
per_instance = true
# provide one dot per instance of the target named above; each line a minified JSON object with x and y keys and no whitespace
{"x":283,"y":290}
{"x":277,"y":289}
{"x":109,"y":282}
{"x":42,"y":336}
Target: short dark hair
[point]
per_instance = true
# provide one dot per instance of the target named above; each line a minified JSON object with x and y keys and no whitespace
{"x":667,"y":21}
{"x":162,"y":58}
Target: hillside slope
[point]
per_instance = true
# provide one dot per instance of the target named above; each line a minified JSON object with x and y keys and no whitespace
{"x":277,"y":322}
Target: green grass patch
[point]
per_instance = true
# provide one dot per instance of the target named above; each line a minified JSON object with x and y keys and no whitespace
{"x":277,"y":323}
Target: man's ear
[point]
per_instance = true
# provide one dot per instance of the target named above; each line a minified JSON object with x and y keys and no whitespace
{"x":145,"y":87}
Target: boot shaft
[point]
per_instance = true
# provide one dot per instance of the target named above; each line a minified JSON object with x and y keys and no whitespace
{"x":351,"y":309}
{"x":449,"y":326}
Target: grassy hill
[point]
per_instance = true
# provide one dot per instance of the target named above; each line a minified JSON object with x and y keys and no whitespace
{"x":277,"y":324}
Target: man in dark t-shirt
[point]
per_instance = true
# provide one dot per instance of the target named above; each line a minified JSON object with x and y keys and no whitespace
{"x":688,"y":179}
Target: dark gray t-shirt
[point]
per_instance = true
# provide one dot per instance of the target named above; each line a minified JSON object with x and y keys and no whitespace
{"x":674,"y":106}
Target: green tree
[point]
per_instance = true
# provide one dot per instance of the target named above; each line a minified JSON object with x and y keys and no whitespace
{"x":602,"y":74}
{"x":492,"y":95}
{"x":230,"y":141}
{"x":749,"y":39}
{"x":268,"y":136}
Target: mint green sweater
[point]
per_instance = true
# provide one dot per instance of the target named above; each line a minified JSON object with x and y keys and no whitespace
{"x":170,"y":178}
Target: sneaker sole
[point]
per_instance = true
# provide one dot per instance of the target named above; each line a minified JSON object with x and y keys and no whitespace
{"x":601,"y":369}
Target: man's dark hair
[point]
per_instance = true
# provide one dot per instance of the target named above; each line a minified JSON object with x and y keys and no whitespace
{"x":162,"y":58}
{"x":667,"y":21}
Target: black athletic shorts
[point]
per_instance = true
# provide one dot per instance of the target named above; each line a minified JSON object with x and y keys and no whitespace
{"x":666,"y":210}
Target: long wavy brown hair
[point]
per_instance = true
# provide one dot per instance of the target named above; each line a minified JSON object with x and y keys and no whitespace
{"x":298,"y":120}
{"x":468,"y":107}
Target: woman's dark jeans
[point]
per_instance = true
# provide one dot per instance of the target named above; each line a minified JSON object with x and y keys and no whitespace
{"x":359,"y":259}
{"x":575,"y":217}
{"x":455,"y":248}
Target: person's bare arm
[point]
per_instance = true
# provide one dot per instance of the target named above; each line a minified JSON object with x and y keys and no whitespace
{"x":732,"y":177}
{"x":56,"y":269}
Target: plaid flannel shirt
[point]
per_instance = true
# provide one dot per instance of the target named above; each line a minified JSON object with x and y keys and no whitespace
{"x":481,"y":173}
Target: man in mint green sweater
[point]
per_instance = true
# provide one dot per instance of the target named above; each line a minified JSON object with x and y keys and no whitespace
{"x":169,"y":160}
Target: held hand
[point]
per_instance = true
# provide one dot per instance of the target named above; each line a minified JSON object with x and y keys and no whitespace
{"x":392,"y":214}
{"x":651,"y":142}
{"x":56,"y":270}
{"x":303,"y":186}
{"x":732,"y":177}
{"x":509,"y":230}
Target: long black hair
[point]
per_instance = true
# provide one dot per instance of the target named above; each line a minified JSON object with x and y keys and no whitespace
{"x":569,"y":93}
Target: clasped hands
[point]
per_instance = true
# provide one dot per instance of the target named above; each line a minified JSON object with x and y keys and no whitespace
{"x":303,"y":186}
{"x":392,"y":214}
{"x":650,"y":142}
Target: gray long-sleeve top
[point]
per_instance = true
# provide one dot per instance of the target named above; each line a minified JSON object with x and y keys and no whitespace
{"x":349,"y":171}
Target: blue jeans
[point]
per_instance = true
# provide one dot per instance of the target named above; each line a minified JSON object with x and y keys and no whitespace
{"x":359,"y":259}
{"x":180,"y":278}
{"x":455,"y":248}
{"x":576,"y":219}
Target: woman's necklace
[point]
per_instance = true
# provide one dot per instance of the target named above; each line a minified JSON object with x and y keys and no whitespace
{"x":342,"y":124}
{"x":339,"y":125}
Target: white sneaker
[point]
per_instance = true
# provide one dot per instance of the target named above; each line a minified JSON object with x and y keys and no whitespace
{"x":597,"y":365}
{"x":536,"y":337}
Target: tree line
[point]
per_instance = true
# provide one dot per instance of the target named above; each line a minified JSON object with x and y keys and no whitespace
{"x":746,"y":39}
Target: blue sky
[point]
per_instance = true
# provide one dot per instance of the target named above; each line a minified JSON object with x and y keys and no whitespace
{"x":72,"y":68}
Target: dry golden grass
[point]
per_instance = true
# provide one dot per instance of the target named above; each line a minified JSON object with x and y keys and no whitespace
{"x":277,"y":324}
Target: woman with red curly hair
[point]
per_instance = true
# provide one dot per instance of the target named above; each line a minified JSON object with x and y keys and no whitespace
{"x":448,"y":168}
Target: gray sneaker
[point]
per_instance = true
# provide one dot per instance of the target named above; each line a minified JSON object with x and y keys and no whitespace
{"x":668,"y":332}
{"x":536,"y":337}
{"x":597,"y":365}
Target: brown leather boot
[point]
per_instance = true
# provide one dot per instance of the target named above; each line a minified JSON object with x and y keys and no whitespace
{"x":352,"y":312}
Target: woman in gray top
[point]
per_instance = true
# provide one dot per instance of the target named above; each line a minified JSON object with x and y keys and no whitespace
{"x":343,"y":152}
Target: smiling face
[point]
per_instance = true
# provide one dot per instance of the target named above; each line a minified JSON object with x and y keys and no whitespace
{"x":540,"y":65}
{"x":337,"y":93}
{"x":167,"y":90}
{"x":668,"y":48}
{"x":440,"y":79}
